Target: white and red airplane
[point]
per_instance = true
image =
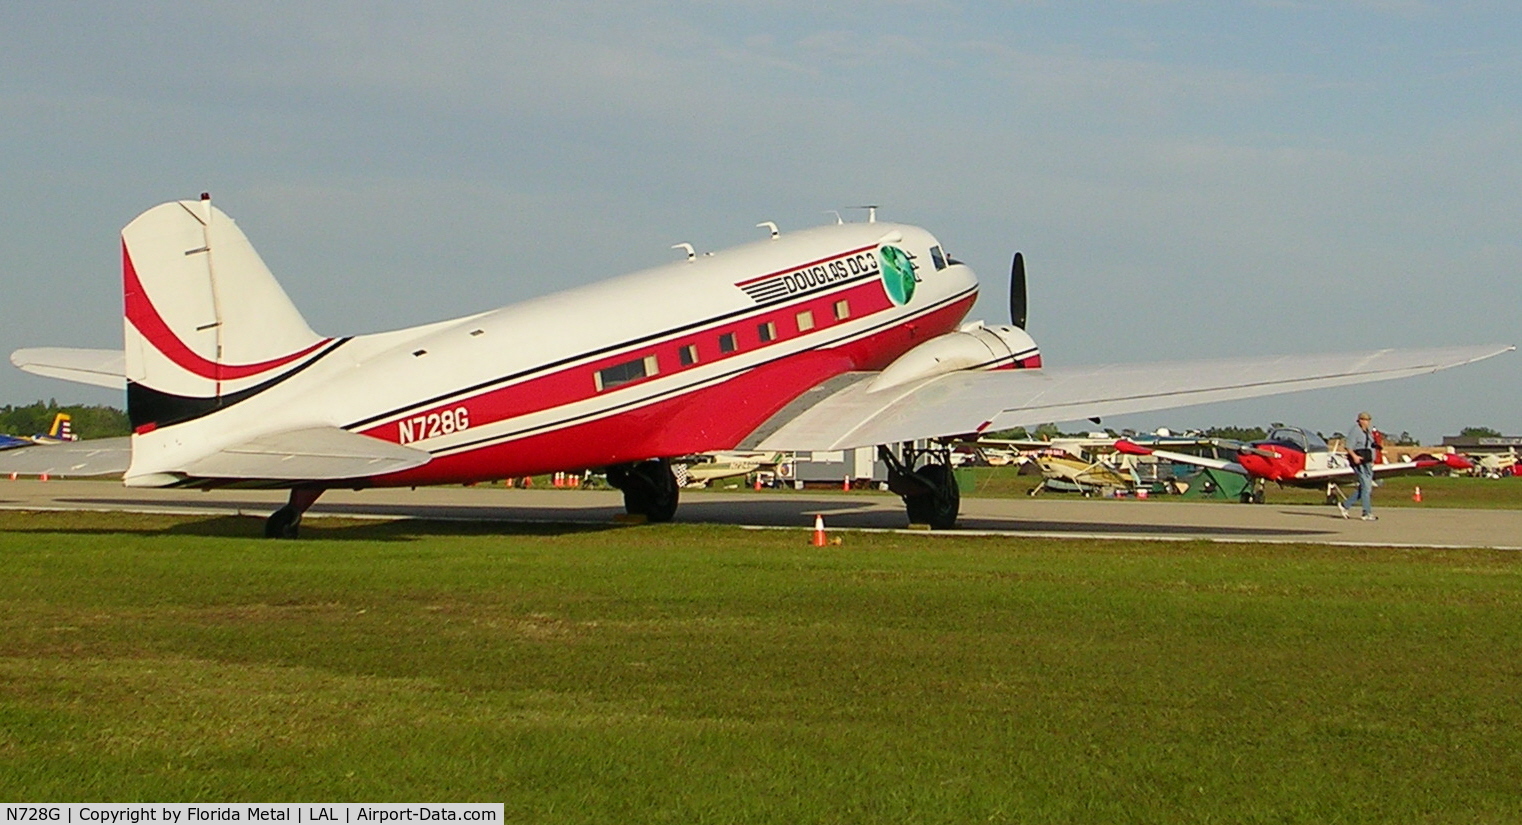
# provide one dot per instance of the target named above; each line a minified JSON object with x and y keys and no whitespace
{"x":839,"y":336}
{"x":1295,"y":457}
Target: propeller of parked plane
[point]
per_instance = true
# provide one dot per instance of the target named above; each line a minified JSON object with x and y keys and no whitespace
{"x":1017,"y":291}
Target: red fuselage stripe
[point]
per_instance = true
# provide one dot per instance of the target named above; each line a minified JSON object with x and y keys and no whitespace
{"x":711,"y":417}
{"x":575,"y":383}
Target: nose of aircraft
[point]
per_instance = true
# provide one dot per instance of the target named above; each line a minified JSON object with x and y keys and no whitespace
{"x":1261,"y":462}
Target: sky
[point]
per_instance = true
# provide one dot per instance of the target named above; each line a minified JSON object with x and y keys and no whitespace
{"x":1186,"y":179}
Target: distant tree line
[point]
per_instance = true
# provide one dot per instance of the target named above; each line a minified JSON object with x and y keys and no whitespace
{"x":86,"y":421}
{"x":106,"y":422}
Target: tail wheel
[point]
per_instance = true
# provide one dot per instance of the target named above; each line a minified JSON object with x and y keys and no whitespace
{"x":283,"y":523}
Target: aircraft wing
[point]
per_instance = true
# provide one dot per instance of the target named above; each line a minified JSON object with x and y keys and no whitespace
{"x":1132,"y":448}
{"x":1394,"y":468}
{"x":100,"y":367}
{"x":95,"y":457}
{"x":313,"y":454}
{"x":844,"y":414}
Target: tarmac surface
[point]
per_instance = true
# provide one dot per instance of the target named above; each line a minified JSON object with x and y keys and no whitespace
{"x":1045,"y":517}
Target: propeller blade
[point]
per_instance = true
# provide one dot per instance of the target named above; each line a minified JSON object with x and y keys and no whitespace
{"x":1017,"y":291}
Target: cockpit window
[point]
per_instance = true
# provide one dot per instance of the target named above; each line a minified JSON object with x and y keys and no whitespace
{"x":1294,"y":436}
{"x":938,"y":257}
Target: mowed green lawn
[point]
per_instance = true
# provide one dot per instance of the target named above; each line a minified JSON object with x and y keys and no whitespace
{"x":688,"y":674}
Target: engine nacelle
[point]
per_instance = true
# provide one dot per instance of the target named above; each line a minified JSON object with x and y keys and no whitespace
{"x":974,"y":347}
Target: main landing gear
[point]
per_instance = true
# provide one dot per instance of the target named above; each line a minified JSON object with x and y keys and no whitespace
{"x":929,"y":492}
{"x":649,"y":489}
{"x":285,"y":522}
{"x":1255,"y":493}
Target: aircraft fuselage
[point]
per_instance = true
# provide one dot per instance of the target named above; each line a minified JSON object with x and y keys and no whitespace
{"x":683,"y":358}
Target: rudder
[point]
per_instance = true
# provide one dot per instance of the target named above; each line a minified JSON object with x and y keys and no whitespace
{"x":206,"y":324}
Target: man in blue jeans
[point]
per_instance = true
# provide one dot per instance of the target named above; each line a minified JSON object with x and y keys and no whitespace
{"x":1359,"y":446}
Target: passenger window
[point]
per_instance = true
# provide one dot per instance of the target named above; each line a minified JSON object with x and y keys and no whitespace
{"x":805,"y":320}
{"x":842,"y":310}
{"x":618,"y":374}
{"x":727,"y":342}
{"x":688,"y":355}
{"x":766,"y":332}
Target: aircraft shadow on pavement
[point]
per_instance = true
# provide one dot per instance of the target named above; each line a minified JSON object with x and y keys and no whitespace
{"x":840,"y":512}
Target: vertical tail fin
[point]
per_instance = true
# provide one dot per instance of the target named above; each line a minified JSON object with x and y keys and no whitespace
{"x":61,"y":429}
{"x":206,"y":323}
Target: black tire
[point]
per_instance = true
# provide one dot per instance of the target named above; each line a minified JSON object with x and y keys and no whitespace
{"x":1245,"y":497}
{"x":284,"y":523}
{"x":939,"y":507}
{"x":650,"y":490}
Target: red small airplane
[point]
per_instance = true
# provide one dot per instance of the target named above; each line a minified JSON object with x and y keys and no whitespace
{"x":1295,"y":457}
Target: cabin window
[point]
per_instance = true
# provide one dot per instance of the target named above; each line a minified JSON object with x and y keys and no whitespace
{"x":805,"y":320}
{"x":766,"y":332}
{"x":727,"y":342}
{"x":688,"y":355}
{"x":626,"y":372}
{"x":939,"y":257}
{"x":842,"y":310}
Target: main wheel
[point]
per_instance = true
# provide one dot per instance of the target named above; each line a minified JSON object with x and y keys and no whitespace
{"x":940,"y":505}
{"x":650,"y":490}
{"x":283,"y":523}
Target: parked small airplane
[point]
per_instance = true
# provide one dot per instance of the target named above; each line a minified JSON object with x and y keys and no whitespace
{"x":1294,"y":457}
{"x":1081,"y":474}
{"x":840,"y":336}
{"x":1497,"y":465}
{"x":60,"y":432}
{"x":1089,"y":464}
{"x":700,"y":471}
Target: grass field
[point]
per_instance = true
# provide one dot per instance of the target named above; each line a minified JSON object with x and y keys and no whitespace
{"x":686,"y":673}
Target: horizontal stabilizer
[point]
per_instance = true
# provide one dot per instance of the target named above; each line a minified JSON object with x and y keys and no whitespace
{"x":979,"y":401}
{"x":314,"y":454}
{"x":96,"y":457}
{"x":100,"y":367}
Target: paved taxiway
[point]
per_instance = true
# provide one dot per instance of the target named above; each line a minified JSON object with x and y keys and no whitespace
{"x":1045,"y":516}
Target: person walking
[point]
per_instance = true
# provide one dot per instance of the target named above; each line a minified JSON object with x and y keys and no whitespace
{"x":1359,"y":446}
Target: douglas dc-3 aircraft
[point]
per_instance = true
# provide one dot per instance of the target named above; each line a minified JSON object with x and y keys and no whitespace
{"x":839,"y":336}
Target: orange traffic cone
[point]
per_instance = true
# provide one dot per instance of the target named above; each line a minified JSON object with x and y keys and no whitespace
{"x":820,"y":540}
{"x":13,"y":476}
{"x":43,"y":477}
{"x":847,"y":485}
{"x":1416,"y":494}
{"x":758,"y":482}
